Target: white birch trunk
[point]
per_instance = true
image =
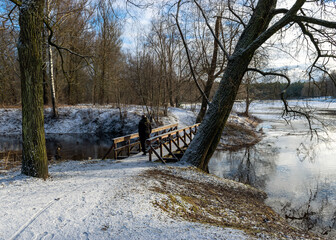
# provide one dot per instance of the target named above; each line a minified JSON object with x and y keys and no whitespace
{"x":51,"y":69}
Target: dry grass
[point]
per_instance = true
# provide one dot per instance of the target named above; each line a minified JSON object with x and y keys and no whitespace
{"x":9,"y":160}
{"x":236,"y":136}
{"x":224,"y":205}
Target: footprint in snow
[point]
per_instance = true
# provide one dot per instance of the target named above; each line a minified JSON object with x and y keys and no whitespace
{"x":85,"y":236}
{"x":45,"y":236}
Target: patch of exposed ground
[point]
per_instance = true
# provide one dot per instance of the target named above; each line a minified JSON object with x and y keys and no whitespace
{"x":240,"y":132}
{"x":9,"y":160}
{"x":194,"y":196}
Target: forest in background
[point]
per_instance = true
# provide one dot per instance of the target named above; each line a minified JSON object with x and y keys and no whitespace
{"x":297,"y":90}
{"x":155,"y":74}
{"x":101,"y":73}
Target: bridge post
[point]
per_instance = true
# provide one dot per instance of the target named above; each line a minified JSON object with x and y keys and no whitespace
{"x":115,"y":153}
{"x":150,"y":150}
{"x":129,"y":147}
{"x":178,"y":139}
{"x":170,"y":145}
{"x":160,"y":144}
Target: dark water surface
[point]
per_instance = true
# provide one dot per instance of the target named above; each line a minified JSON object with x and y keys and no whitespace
{"x":64,"y":146}
{"x":296,"y":170}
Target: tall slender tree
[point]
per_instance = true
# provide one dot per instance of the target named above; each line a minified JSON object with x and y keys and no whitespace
{"x":51,"y":68}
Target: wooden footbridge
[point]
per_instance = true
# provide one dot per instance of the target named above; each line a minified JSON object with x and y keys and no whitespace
{"x":167,"y":143}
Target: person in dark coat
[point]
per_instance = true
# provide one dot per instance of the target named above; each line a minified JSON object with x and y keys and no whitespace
{"x":145,"y":130}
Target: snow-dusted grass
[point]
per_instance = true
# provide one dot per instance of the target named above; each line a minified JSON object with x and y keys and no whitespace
{"x":93,"y":200}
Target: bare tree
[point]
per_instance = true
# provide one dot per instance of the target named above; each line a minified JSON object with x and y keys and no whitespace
{"x":9,"y":70}
{"x":213,"y":69}
{"x":108,"y":57}
{"x":265,"y":21}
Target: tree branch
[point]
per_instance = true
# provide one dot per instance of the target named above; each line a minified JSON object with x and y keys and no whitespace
{"x":211,"y":30}
{"x":288,"y":109}
{"x":311,"y":37}
{"x":324,"y":23}
{"x":16,"y":2}
{"x":332,"y":78}
{"x":279,"y":11}
{"x":287,"y":18}
{"x":187,"y":52}
{"x":59,"y":47}
{"x":62,"y":48}
{"x":235,"y":14}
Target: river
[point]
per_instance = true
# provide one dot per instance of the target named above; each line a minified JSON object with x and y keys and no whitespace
{"x":294,"y":166}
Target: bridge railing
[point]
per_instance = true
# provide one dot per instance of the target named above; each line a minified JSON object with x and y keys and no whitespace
{"x":130,"y":144}
{"x":168,"y":141}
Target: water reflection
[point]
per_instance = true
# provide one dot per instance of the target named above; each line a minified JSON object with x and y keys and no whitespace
{"x":315,"y":212}
{"x":61,"y":146}
{"x":253,"y":165}
{"x":298,"y":174}
{"x":77,"y":146}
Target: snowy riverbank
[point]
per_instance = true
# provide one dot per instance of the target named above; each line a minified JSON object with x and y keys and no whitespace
{"x":88,"y":119}
{"x":91,"y":119}
{"x":132,"y":198}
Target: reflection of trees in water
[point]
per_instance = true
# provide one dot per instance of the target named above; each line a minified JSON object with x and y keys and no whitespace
{"x":310,"y":146}
{"x":257,"y":166}
{"x":306,"y":152}
{"x":61,"y":146}
{"x":77,"y":146}
{"x":10,"y":151}
{"x":246,"y":172}
{"x":316,"y":214}
{"x":253,"y":165}
{"x":10,"y":143}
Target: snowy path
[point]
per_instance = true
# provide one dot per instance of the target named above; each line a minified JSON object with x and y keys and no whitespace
{"x":92,"y":200}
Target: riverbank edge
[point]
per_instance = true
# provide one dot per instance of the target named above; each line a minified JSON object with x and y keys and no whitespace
{"x":189,"y":194}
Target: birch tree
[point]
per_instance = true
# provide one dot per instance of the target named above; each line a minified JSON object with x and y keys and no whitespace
{"x":51,"y":68}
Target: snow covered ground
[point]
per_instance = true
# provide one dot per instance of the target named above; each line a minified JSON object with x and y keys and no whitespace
{"x":92,"y":200}
{"x":91,"y":119}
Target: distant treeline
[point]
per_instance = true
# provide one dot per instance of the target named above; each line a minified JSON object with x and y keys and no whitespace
{"x":155,"y":74}
{"x":296,"y":90}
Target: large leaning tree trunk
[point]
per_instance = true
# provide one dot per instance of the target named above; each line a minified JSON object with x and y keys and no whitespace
{"x":206,"y":140}
{"x":34,"y":156}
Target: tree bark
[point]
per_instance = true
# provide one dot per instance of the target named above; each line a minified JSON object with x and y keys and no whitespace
{"x":207,"y":138}
{"x":34,"y":156}
{"x":211,"y":75}
{"x":45,"y":75}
